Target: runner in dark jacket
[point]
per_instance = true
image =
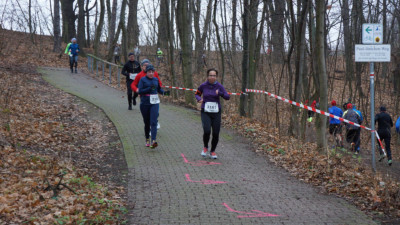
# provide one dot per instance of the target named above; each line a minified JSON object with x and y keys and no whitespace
{"x":130,"y":70}
{"x":211,"y":91}
{"x":385,"y":123}
{"x":352,"y":131}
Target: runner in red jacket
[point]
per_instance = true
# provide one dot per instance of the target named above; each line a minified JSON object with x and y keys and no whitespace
{"x":139,"y":76}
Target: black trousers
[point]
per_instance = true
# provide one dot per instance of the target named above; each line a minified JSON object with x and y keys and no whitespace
{"x":211,"y":121}
{"x":353,"y":135}
{"x":73,"y":61}
{"x":131,"y":94}
{"x":385,"y":136}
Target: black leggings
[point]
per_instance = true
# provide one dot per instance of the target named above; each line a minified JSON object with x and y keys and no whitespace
{"x":385,"y":136}
{"x":130,"y":92}
{"x":211,"y":120}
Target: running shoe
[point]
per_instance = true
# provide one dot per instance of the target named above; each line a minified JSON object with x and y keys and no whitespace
{"x":204,"y":152}
{"x":352,"y":146}
{"x":147,"y":142}
{"x":158,"y":126}
{"x":214,"y":155}
{"x":381,"y":157}
{"x":154,"y":144}
{"x":389,"y":162}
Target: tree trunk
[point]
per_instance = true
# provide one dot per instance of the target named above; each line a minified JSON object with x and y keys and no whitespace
{"x":56,"y":26}
{"x":301,"y":66}
{"x":184,"y":29}
{"x":81,"y":24}
{"x":277,"y":9}
{"x":133,"y":27}
{"x":245,"y":58}
{"x":111,"y":32}
{"x":234,"y":19}
{"x":170,"y":39}
{"x":200,"y":38}
{"x":30,"y":20}
{"x":162,"y":21}
{"x":99,"y":29}
{"x":321,"y":71}
{"x":68,"y":17}
{"x":221,"y":50}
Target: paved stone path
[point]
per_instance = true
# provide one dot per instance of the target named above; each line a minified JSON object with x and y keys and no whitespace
{"x":166,"y":188}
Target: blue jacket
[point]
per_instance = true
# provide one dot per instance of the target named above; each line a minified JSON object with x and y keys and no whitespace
{"x":147,"y":87}
{"x":337,"y":112}
{"x":72,"y":48}
{"x":398,"y":125}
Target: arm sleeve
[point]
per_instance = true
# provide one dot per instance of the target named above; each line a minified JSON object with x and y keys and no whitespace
{"x":67,"y":48}
{"x":198,"y":93}
{"x":159,"y":80}
{"x":222,"y":92}
{"x":124,"y":71}
{"x":135,"y":83}
{"x":142,"y":89}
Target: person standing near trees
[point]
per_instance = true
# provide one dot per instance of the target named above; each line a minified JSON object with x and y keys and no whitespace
{"x":208,"y":94}
{"x":117,"y":52}
{"x":385,"y":123}
{"x":160,"y":57}
{"x":148,"y":89}
{"x":73,"y":50}
{"x":130,"y":70}
{"x":361,"y":121}
{"x":136,"y":51}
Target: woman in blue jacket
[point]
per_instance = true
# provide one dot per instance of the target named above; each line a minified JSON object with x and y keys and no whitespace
{"x":148,"y":88}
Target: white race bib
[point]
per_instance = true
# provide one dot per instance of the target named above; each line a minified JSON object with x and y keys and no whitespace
{"x":154,"y":99}
{"x":132,"y":76}
{"x":211,"y":107}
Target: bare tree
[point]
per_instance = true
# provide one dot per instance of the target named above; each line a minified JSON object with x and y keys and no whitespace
{"x":322,"y":85}
{"x":56,"y":26}
{"x":276,"y":12}
{"x":111,"y":31}
{"x":68,"y":18}
{"x":99,"y":28}
{"x":133,"y":27}
{"x":200,"y":38}
{"x":162,"y":22}
{"x":81,"y":23}
{"x":184,"y":29}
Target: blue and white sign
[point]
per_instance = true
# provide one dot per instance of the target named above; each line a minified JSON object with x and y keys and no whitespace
{"x":372,"y":33}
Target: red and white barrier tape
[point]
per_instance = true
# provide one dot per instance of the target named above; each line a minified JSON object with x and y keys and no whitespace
{"x":320,"y":112}
{"x":298,"y":105}
{"x":191,"y":89}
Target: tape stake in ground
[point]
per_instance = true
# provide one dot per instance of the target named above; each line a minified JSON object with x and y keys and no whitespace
{"x":319,"y":112}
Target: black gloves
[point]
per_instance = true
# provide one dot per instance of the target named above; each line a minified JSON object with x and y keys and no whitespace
{"x":153,"y":87}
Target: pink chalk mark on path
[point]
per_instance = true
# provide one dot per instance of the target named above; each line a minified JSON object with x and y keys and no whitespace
{"x":249,"y":214}
{"x":198,"y":163}
{"x":204,"y":181}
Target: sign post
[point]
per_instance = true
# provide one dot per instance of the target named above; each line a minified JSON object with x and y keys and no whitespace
{"x":372,"y":50}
